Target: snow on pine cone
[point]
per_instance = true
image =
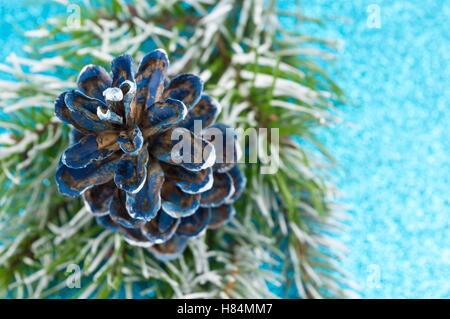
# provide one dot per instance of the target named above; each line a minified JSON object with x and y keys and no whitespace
{"x":122,"y":157}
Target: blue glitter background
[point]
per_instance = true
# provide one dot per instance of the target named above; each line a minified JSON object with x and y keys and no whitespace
{"x":393,"y":149}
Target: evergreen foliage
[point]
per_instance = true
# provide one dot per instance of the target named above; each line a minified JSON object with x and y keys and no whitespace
{"x":263,"y":75}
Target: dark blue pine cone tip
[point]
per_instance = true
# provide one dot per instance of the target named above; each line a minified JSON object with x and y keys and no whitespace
{"x":121,"y":154}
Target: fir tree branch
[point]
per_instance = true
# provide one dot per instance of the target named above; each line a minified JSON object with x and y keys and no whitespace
{"x":264,"y":77}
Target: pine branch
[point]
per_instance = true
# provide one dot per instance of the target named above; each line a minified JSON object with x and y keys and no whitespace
{"x":263,"y":76}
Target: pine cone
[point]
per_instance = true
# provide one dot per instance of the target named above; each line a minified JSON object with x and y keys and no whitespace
{"x":122,"y":157}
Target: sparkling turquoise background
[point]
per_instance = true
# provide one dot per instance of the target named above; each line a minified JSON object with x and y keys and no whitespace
{"x":394,"y":148}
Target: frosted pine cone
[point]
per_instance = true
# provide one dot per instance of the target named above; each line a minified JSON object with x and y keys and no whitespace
{"x":122,"y":157}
